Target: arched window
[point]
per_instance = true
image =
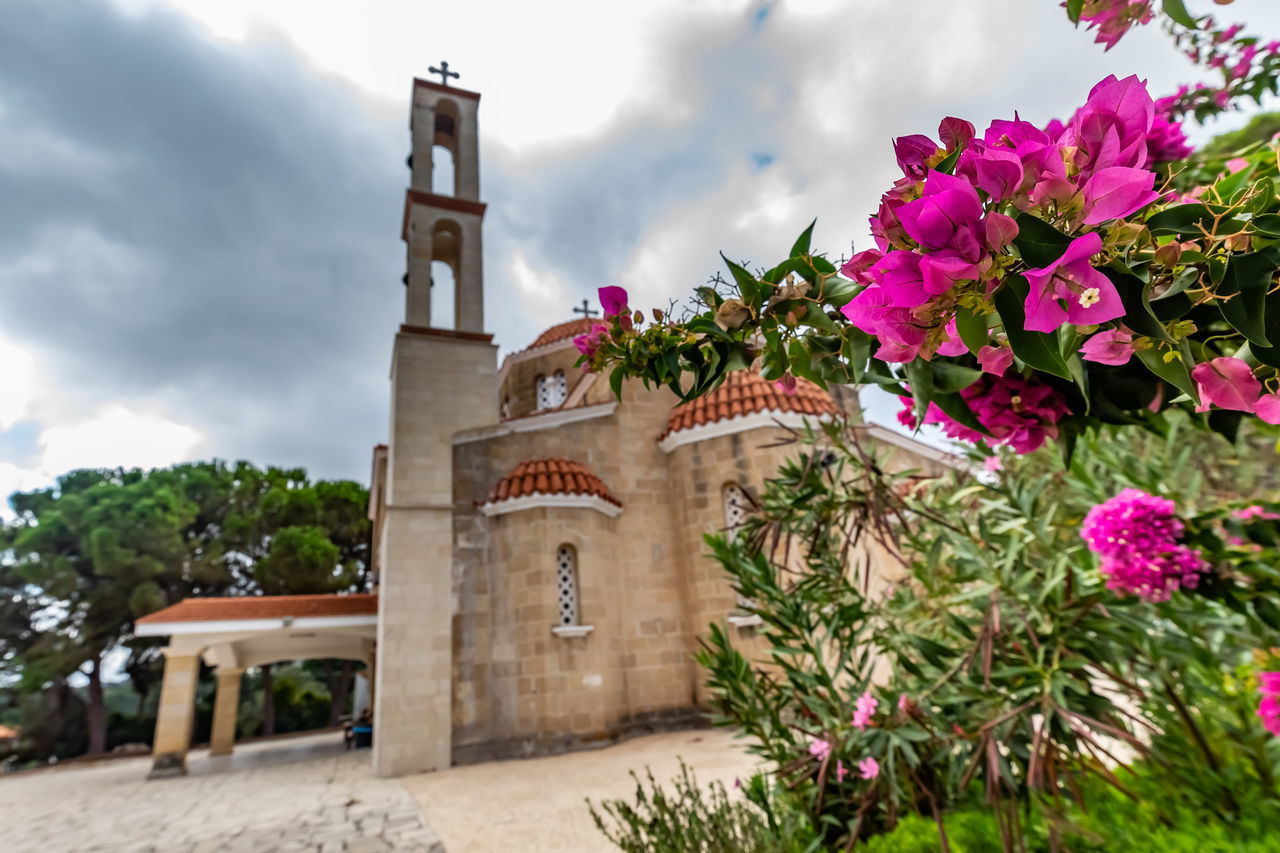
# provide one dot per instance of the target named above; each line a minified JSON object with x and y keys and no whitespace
{"x":552,"y":390}
{"x":444,"y":149}
{"x":442,"y":181}
{"x":736,"y":507}
{"x":567,"y":585}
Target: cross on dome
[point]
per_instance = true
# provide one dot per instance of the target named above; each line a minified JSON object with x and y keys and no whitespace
{"x":586,"y":310}
{"x":444,"y":73}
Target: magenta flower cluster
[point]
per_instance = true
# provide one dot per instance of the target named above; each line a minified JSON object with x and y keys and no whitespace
{"x":939,"y":234}
{"x":614,"y":302}
{"x":1019,"y":412}
{"x":1269,"y":709}
{"x":1136,"y":535}
{"x":1113,"y":18}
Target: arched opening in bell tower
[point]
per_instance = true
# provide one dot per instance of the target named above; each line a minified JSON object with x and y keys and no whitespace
{"x":444,"y":149}
{"x":446,"y":251}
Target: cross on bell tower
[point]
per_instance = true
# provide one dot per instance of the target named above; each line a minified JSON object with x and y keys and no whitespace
{"x":444,"y":73}
{"x":586,"y":310}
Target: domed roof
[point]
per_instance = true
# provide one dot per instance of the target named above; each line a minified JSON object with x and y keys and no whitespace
{"x":550,"y":477}
{"x":563,"y":331}
{"x":746,"y":392}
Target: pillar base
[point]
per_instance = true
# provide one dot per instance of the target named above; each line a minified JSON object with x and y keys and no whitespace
{"x":168,"y":765}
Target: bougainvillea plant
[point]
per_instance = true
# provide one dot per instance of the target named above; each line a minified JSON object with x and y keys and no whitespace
{"x":1026,"y":283}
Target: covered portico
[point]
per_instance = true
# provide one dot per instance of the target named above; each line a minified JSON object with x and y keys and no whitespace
{"x":232,"y":634}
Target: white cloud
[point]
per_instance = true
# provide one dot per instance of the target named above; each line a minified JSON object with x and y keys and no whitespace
{"x":18,"y":381}
{"x":117,"y":436}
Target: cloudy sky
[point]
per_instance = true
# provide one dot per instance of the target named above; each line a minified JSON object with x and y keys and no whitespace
{"x":200,"y":200}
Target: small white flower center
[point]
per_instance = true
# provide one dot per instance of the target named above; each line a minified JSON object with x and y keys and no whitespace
{"x":1090,"y":296}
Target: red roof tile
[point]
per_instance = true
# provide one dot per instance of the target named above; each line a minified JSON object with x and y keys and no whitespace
{"x":265,"y":607}
{"x":550,"y":477}
{"x":563,"y":331}
{"x":745,"y":392}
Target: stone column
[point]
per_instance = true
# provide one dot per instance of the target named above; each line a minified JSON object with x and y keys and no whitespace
{"x":226,"y":704}
{"x":174,"y":716}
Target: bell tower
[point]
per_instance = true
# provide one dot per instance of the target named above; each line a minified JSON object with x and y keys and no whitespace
{"x":442,"y":380}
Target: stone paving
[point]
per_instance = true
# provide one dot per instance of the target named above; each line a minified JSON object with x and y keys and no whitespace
{"x":300,"y":794}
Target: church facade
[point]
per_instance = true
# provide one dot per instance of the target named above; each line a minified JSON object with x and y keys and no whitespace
{"x":543,"y":582}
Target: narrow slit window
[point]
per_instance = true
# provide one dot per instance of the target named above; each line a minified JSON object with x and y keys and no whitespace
{"x":736,"y":507}
{"x":567,"y":585}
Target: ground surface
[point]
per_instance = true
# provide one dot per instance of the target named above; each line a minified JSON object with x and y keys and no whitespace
{"x":308,"y":794}
{"x":299,"y":794}
{"x":537,"y":804}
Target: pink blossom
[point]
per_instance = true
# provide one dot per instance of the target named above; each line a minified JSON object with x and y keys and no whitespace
{"x":1136,"y":535}
{"x":995,"y":360}
{"x":1110,"y":346}
{"x":1021,"y":413}
{"x":819,"y":748}
{"x":955,"y":132}
{"x":1117,"y":192}
{"x":1113,"y":18}
{"x":868,"y":768}
{"x":1236,"y":164}
{"x":1071,"y":290}
{"x":1269,"y":708}
{"x":912,"y":152}
{"x":992,"y":464}
{"x":589,"y":342}
{"x":1255,"y":511}
{"x":613,"y":300}
{"x":787,"y":384}
{"x":1268,"y":408}
{"x":840,"y":771}
{"x":903,"y":702}
{"x":865,"y":709}
{"x":945,"y":216}
{"x":1227,"y":383}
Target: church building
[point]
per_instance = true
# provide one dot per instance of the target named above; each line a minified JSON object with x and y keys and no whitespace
{"x":542,"y":581}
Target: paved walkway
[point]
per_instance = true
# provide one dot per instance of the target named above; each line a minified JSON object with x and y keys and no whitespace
{"x":304,"y":793}
{"x":539,"y":804}
{"x":307,"y":793}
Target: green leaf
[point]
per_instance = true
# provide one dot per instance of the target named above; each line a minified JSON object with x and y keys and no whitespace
{"x":1246,"y":282}
{"x":1138,"y":314}
{"x":1074,"y":8}
{"x":1176,"y":10}
{"x":956,"y":408}
{"x":801,"y":246}
{"x":972,"y":329}
{"x":838,"y":292}
{"x":615,"y":381}
{"x":1039,"y":243}
{"x":747,"y":283}
{"x":920,"y":378}
{"x":1035,"y":349}
{"x":949,"y":377}
{"x":948,"y":164}
{"x":1185,"y":219}
{"x":1267,"y":223}
{"x":1175,"y":372}
{"x":857,"y":352}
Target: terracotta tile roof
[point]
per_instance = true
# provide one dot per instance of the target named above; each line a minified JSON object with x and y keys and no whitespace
{"x":745,"y":392}
{"x":563,"y":331}
{"x":265,"y":607}
{"x":550,"y":477}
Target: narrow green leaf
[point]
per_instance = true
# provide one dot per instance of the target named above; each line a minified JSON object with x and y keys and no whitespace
{"x":747,"y":283}
{"x":949,"y":377}
{"x":1175,"y":372}
{"x":920,"y":378}
{"x":801,"y":246}
{"x":958,"y":410}
{"x":1138,"y":314}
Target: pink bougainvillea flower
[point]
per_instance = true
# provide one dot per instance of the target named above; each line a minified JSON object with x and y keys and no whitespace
{"x":1111,"y":128}
{"x":1113,"y":18}
{"x":1117,"y":192}
{"x":787,"y":384}
{"x":613,"y":300}
{"x":588,"y":343}
{"x":1227,"y":383}
{"x":1110,"y":346}
{"x":992,"y":464}
{"x":955,"y":132}
{"x":868,"y":768}
{"x":912,"y":152}
{"x":819,"y":748}
{"x":864,"y":711}
{"x":899,"y":276}
{"x":1136,"y":535}
{"x":1236,"y":164}
{"x":1000,"y":230}
{"x":1268,"y":408}
{"x":996,"y":171}
{"x":903,"y":702}
{"x":1071,"y":290}
{"x":1255,"y":511}
{"x":942,"y":272}
{"x":859,"y":266}
{"x":1269,"y":681}
{"x":995,"y":360}
{"x":945,"y":215}
{"x":1269,"y":708}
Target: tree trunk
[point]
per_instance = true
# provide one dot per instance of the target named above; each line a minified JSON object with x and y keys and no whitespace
{"x":268,"y":702}
{"x":97,"y":711}
{"x":340,"y":694}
